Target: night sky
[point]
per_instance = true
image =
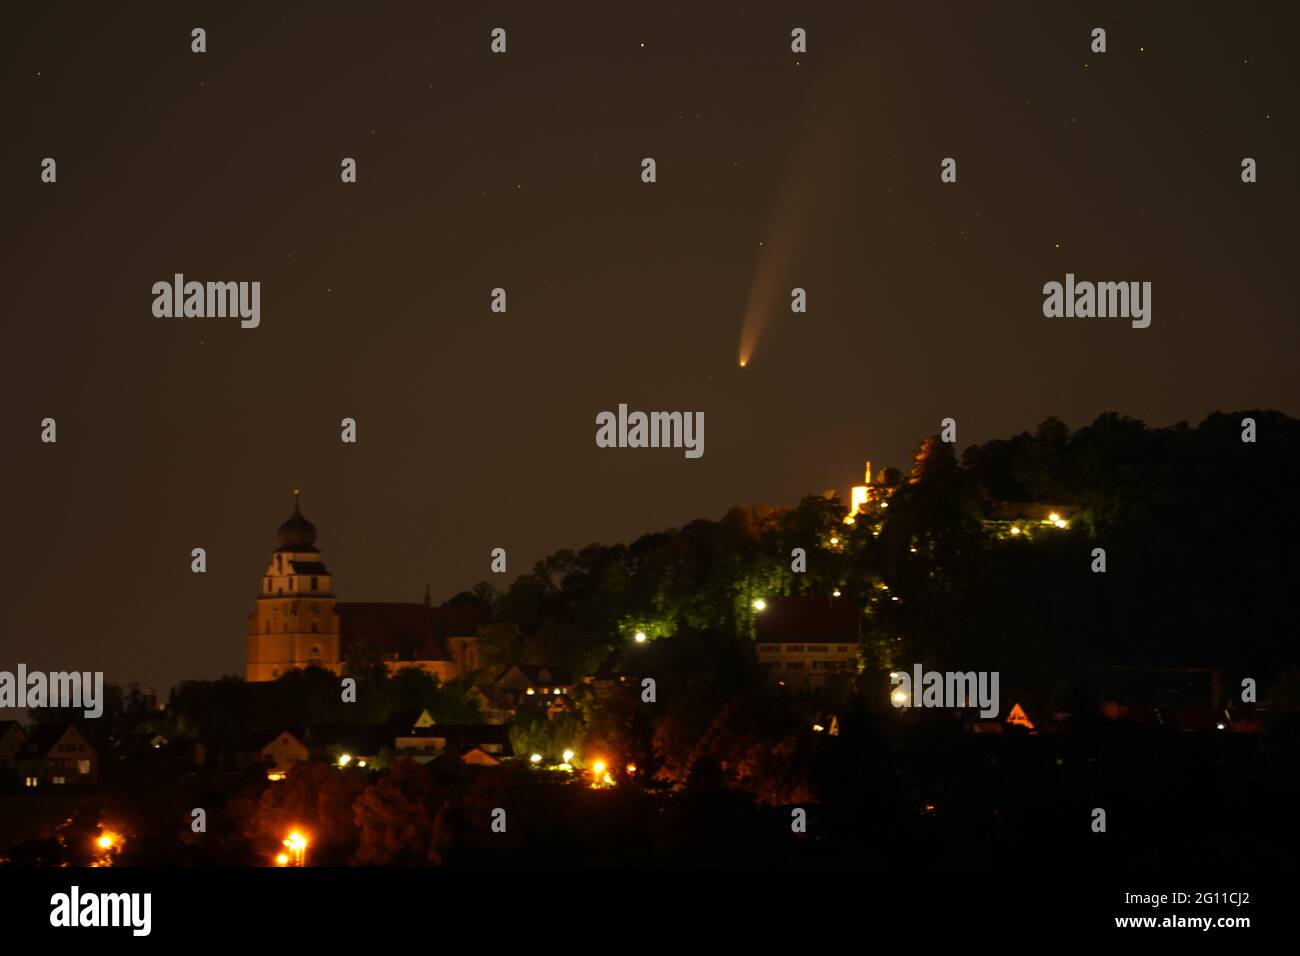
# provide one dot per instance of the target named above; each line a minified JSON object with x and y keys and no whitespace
{"x":476,"y":430}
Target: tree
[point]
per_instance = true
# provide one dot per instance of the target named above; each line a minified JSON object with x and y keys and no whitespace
{"x":396,"y":818}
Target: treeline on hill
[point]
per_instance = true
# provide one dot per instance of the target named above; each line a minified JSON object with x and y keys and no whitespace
{"x":1197,"y":526}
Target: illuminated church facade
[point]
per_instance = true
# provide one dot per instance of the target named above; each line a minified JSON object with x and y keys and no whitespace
{"x":298,"y":622}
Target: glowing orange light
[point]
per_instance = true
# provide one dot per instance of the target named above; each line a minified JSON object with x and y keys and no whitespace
{"x":297,"y":844}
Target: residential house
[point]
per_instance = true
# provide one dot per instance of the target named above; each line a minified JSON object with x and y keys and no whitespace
{"x":57,"y":754}
{"x":803,"y":640}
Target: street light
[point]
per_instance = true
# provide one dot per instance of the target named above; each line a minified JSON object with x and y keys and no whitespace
{"x":639,"y":637}
{"x":297,"y":844}
{"x":760,"y":604}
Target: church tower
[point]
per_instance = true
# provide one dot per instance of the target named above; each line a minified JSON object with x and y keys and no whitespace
{"x":296,"y":623}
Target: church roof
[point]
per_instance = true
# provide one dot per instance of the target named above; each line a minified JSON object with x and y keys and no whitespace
{"x":297,"y":533}
{"x":405,"y":632}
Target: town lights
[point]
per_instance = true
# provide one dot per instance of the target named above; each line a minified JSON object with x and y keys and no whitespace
{"x":345,"y":759}
{"x":639,"y":637}
{"x":568,"y":756}
{"x":899,"y":696}
{"x":1015,"y":530}
{"x":107,"y":840}
{"x":1054,"y":518}
{"x":297,"y":844}
{"x":282,"y":859}
{"x":535,"y":758}
{"x":760,"y":605}
{"x":598,"y":768}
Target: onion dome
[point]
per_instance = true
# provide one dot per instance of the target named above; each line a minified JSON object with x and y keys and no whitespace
{"x":297,"y":534}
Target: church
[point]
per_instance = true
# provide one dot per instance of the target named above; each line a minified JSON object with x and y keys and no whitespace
{"x":299,"y":623}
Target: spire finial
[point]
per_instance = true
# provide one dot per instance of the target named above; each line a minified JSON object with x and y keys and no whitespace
{"x":296,"y":492}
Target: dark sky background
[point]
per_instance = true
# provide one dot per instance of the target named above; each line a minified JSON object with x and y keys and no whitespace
{"x":477,"y":430}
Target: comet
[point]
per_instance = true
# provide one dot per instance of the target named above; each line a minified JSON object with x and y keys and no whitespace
{"x":808,"y":188}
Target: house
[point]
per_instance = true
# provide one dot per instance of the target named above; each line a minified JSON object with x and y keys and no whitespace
{"x":284,"y":750}
{"x":431,"y":740}
{"x":493,"y":710}
{"x":478,"y":757}
{"x":520,"y":681}
{"x":12,"y":738}
{"x":562,"y":704}
{"x":803,"y":640}
{"x":57,"y":754}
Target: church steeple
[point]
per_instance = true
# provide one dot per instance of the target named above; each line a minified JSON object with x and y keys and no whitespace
{"x":295,"y":624}
{"x":297,"y":533}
